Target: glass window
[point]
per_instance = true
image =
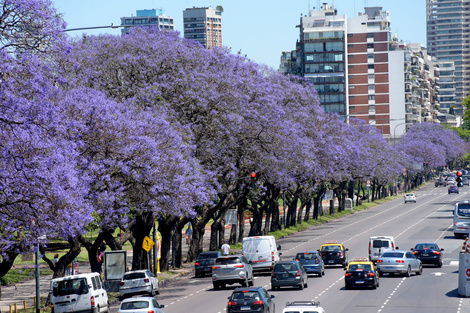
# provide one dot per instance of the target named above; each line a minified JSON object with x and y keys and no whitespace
{"x":370,"y":66}
{"x":371,"y":97}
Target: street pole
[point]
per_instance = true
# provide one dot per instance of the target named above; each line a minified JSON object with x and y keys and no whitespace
{"x":154,"y":249}
{"x":284,"y":204}
{"x":38,"y":273}
{"x":394,"y":132}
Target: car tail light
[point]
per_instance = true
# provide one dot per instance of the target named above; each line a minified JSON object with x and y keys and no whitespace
{"x":258,"y":302}
{"x":232,"y":303}
{"x":379,"y":261}
{"x":316,"y":261}
{"x":369,"y":247}
{"x":197,"y":263}
{"x":239,"y":265}
{"x":341,"y":254}
{"x":121,"y":283}
{"x":273,"y":275}
{"x":146,"y":280}
{"x":348,"y":274}
{"x":436,"y":252}
{"x":92,"y":300}
{"x":52,"y":308}
{"x":400,"y":261}
{"x":393,"y":246}
{"x":150,"y":311}
{"x":298,"y":273}
{"x":272,"y":255}
{"x":415,"y":252}
{"x":370,"y":274}
{"x":214,"y":267}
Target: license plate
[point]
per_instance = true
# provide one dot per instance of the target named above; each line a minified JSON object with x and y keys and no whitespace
{"x":245,"y":308}
{"x":331,"y":261}
{"x":359,"y":282}
{"x":425,"y":254}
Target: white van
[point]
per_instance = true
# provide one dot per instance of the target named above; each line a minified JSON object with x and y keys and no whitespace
{"x":261,"y":251}
{"x":461,"y":218}
{"x":79,"y":293}
{"x":380,"y":244}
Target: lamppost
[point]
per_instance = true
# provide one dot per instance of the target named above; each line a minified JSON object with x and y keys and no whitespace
{"x":395,"y":130}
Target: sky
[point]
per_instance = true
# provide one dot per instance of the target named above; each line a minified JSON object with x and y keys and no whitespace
{"x":260,"y":29}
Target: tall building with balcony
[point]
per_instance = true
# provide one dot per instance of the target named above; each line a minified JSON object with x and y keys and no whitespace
{"x":203,"y":25}
{"x":448,"y":31}
{"x":321,"y":54}
{"x":151,"y":17}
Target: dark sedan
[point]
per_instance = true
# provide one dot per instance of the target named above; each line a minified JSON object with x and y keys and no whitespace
{"x":361,"y":273}
{"x":289,"y":273}
{"x":428,"y":253}
{"x":312,"y":262}
{"x":204,"y":262}
{"x":453,"y":189}
{"x":250,"y":299}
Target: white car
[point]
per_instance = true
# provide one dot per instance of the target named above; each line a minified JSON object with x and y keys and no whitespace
{"x":138,"y":282}
{"x":140,"y":305}
{"x":303,"y":307}
{"x":410,"y":197}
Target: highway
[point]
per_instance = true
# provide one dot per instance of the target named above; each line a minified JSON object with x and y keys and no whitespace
{"x":429,"y":220}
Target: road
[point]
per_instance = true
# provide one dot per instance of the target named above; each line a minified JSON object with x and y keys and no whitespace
{"x":429,"y":220}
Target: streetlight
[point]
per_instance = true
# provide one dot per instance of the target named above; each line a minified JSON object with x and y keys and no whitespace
{"x":395,"y":130}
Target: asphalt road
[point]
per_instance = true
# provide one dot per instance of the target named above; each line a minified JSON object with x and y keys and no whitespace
{"x":428,"y":220}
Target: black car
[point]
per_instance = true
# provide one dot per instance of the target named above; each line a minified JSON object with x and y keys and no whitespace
{"x":289,"y":273}
{"x":204,"y":262}
{"x":428,"y":253}
{"x":453,"y":189}
{"x":250,"y":299}
{"x":312,"y":262}
{"x":361,"y":273}
{"x":334,"y":253}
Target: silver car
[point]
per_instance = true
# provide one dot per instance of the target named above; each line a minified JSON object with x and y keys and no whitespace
{"x":399,"y":262}
{"x":138,"y":282}
{"x":232,"y":269}
{"x":140,"y":305}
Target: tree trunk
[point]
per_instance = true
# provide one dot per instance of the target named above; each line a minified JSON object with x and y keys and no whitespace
{"x":165,"y":225}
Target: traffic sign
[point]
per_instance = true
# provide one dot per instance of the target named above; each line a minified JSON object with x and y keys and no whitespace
{"x":468,"y":272}
{"x":368,"y":183}
{"x":147,"y":244}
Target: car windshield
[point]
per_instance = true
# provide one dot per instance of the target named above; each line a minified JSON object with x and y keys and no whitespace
{"x":397,"y":255}
{"x":380,"y":244}
{"x":134,"y":276}
{"x":203,"y":256}
{"x":227,"y":261}
{"x":424,"y":246}
{"x":306,"y":256}
{"x":67,"y":287}
{"x":246,"y":295}
{"x":285,"y":267}
{"x":359,"y":267}
{"x":410,"y":195}
{"x":331,"y":248}
{"x":135,"y":305}
{"x":463,"y":209}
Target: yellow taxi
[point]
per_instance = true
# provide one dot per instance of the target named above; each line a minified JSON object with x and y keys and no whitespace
{"x":334,"y":253}
{"x":361,"y":273}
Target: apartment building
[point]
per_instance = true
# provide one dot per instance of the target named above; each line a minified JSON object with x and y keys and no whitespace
{"x":152,"y":17}
{"x":448,"y":31}
{"x":203,"y":25}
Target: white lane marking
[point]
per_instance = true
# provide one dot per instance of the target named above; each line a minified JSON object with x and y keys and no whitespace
{"x":454,"y":263}
{"x":391,"y":294}
{"x":190,"y":295}
{"x":460,"y":305}
{"x":328,"y":288}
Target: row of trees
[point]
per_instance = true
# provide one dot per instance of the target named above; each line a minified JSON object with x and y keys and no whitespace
{"x":114,"y":133}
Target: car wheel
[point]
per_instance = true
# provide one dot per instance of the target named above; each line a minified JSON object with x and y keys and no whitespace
{"x":306,"y":284}
{"x":381,"y":274}
{"x":420,"y":270}
{"x":439,"y":264}
{"x":216,"y":286}
{"x":251,"y":282}
{"x":222,"y":286}
{"x":301,"y":286}
{"x":273,"y":288}
{"x":320,"y":274}
{"x":346,"y":287}
{"x":151,"y":293}
{"x":408,"y":272}
{"x":245,"y":283}
{"x":198,"y":275}
{"x":374,"y":286}
{"x":378,"y":284}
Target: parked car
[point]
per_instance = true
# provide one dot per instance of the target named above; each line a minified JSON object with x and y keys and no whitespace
{"x":399,"y":262}
{"x":137,"y":283}
{"x":312,"y":262}
{"x":428,"y":253}
{"x":380,"y":244}
{"x":334,"y":253}
{"x":453,"y":189}
{"x":289,"y":274}
{"x":465,"y":180}
{"x":232,"y":269}
{"x":262,"y":251}
{"x":140,"y":305}
{"x":410,"y":197}
{"x":204,"y":262}
{"x":251,"y":299}
{"x":303,"y":307}
{"x":361,"y":273}
{"x":79,"y":293}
